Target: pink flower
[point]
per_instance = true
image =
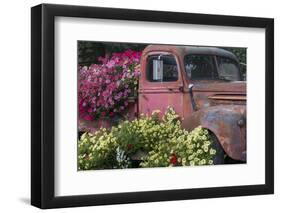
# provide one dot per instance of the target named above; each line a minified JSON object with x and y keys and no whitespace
{"x":103,"y":85}
{"x":87,"y":117}
{"x":117,"y":97}
{"x":110,"y":64}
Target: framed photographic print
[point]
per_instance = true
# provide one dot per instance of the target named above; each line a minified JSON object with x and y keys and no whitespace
{"x":139,"y":106}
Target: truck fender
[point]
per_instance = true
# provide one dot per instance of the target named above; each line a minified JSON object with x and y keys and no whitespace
{"x":227,"y":122}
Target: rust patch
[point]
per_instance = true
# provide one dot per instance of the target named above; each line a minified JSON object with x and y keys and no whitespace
{"x":229,"y":97}
{"x":223,"y":121}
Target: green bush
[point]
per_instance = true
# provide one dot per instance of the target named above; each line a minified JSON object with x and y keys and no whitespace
{"x":163,"y":140}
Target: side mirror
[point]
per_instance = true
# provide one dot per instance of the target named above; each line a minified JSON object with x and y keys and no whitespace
{"x":158,"y":69}
{"x":194,"y":106}
{"x":190,"y":87}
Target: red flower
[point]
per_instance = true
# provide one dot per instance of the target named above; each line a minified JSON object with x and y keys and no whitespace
{"x":130,"y":146}
{"x":111,"y":114}
{"x":173,"y":159}
{"x":88,"y":118}
{"x":103,"y":113}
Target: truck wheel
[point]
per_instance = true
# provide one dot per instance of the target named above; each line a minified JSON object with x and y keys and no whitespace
{"x":219,"y":157}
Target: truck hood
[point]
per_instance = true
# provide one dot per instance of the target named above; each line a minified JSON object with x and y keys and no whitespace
{"x":235,"y":87}
{"x":219,"y":93}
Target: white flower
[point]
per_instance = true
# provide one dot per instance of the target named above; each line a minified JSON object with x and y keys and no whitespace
{"x":212,"y":151}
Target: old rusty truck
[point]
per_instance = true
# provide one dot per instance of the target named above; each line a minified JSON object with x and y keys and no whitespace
{"x":204,"y":86}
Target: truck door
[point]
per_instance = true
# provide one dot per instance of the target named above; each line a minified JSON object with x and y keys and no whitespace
{"x":160,"y":84}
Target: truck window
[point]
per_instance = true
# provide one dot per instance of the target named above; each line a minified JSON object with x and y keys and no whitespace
{"x":200,"y":67}
{"x":162,"y":68}
{"x":228,"y":69}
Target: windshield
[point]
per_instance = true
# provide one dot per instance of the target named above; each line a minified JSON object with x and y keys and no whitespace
{"x":208,"y":67}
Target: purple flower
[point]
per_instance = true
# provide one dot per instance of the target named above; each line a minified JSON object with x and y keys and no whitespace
{"x":110,"y":64}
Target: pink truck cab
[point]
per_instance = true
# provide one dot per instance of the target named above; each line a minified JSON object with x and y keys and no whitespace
{"x":203,"y":85}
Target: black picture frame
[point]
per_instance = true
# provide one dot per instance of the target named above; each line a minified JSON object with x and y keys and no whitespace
{"x":43,"y":117}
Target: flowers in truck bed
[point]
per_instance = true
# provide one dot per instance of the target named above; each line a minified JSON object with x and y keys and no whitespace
{"x":103,"y":89}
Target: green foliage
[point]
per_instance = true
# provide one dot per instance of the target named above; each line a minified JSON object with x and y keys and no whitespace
{"x":88,"y":51}
{"x":241,"y":54}
{"x":163,"y":140}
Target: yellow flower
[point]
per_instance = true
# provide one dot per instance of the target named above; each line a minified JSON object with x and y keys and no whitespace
{"x":199,"y":151}
{"x":179,"y":160}
{"x":183,"y":161}
{"x":212,"y":151}
{"x":190,"y":157}
{"x":203,"y":162}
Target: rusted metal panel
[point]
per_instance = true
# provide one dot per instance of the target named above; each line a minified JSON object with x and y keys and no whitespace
{"x":207,"y":99}
{"x":225,"y":122}
{"x":148,"y":102}
{"x":188,"y":50}
{"x":229,"y":97}
{"x":237,"y":87}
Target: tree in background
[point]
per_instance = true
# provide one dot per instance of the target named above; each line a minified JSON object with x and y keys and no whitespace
{"x":241,"y":54}
{"x":89,"y":52}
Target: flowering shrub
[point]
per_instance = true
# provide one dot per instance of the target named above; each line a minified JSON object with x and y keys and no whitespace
{"x":97,"y":151}
{"x":103,"y":89}
{"x":182,"y":149}
{"x":163,"y":140}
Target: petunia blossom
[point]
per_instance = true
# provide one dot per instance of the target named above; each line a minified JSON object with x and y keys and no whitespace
{"x":105,"y":87}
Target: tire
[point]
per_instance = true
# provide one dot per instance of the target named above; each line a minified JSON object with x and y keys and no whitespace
{"x":229,"y":160}
{"x":219,"y":157}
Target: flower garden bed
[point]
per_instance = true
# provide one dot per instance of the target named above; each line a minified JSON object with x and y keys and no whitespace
{"x":162,"y":142}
